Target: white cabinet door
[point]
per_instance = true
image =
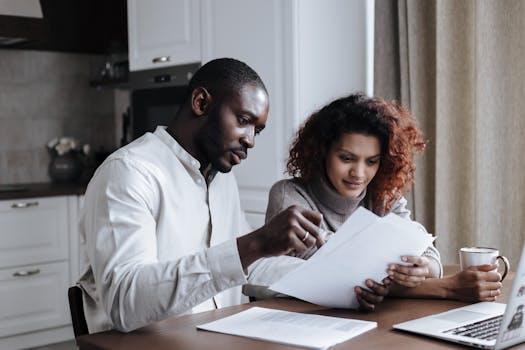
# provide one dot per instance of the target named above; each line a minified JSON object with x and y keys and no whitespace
{"x":163,"y":33}
{"x":34,"y":230}
{"x":33,"y":297}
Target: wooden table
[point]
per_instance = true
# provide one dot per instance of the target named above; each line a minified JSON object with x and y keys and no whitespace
{"x":180,"y":332}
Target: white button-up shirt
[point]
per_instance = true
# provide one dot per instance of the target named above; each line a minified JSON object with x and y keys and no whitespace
{"x":158,"y":241}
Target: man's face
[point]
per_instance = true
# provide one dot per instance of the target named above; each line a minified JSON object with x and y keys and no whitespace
{"x":232,"y":126}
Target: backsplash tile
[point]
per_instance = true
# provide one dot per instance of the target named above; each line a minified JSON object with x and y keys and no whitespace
{"x":45,"y":95}
{"x":20,"y":165}
{"x":13,"y":133}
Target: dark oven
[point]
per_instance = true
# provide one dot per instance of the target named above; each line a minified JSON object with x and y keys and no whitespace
{"x":156,"y":96}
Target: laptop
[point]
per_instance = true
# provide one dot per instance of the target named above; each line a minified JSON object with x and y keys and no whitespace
{"x":486,"y":325}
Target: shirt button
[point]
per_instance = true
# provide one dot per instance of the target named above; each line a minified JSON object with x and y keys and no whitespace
{"x":194,"y":162}
{"x":199,"y":180}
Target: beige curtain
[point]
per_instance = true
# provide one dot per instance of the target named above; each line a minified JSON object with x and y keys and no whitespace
{"x":460,"y":67}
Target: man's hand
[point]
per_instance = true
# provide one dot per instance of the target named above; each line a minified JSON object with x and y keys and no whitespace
{"x":368,"y":299}
{"x":294,"y":229}
{"x":409,"y":276}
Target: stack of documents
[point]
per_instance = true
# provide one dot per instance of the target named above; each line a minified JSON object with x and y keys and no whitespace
{"x":362,"y":248}
{"x":292,"y":328}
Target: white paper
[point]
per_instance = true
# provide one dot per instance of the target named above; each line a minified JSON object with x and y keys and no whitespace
{"x":360,"y":220}
{"x":292,"y":328}
{"x":365,"y":245}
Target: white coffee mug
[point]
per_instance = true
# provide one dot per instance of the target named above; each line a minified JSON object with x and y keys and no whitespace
{"x":473,"y":256}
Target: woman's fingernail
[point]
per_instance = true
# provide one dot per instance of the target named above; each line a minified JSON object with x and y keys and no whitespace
{"x":404,"y":258}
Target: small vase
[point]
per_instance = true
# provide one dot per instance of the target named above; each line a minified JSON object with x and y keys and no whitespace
{"x":65,"y":168}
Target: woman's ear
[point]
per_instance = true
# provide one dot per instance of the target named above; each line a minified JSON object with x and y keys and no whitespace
{"x":200,"y":101}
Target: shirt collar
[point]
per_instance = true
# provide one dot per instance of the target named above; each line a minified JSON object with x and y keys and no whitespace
{"x":209,"y":173}
{"x":187,"y":159}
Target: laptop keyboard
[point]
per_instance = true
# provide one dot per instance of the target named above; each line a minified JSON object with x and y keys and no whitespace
{"x":486,"y":329}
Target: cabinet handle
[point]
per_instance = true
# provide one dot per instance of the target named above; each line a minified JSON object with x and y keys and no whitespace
{"x":161,"y":59}
{"x":25,"y":273}
{"x":24,"y":205}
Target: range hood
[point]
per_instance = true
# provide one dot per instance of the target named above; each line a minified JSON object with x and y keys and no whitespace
{"x":83,"y":26}
{"x":21,"y":22}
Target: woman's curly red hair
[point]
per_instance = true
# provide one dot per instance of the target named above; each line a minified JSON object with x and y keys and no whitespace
{"x":390,"y":122}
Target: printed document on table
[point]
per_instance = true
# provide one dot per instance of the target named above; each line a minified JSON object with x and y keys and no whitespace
{"x":291,"y":328}
{"x":362,"y":248}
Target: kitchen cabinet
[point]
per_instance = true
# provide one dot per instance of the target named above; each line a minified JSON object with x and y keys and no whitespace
{"x":33,"y":297}
{"x":38,"y":262}
{"x":163,"y":33}
{"x":307,"y":52}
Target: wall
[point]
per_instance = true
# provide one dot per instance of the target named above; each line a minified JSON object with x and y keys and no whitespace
{"x":334,"y":56}
{"x":45,"y":95}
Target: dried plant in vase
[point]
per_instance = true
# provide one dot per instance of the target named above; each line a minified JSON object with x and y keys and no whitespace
{"x":67,"y":159}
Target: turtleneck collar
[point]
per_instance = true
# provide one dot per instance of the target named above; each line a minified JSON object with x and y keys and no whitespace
{"x":330,"y":198}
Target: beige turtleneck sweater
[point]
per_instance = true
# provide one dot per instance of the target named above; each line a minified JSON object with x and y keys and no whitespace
{"x":322,"y":197}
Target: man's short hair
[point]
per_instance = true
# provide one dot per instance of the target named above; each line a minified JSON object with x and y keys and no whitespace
{"x":224,"y":76}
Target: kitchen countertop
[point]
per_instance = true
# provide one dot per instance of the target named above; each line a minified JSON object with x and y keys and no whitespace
{"x":31,"y":190}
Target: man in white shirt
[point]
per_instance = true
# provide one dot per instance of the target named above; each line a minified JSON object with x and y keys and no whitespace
{"x":162,"y":229}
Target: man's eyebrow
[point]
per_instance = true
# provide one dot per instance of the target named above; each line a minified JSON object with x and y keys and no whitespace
{"x":250,"y":114}
{"x":253,"y":118}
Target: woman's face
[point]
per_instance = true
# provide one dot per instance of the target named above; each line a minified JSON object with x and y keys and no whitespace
{"x":352,"y":163}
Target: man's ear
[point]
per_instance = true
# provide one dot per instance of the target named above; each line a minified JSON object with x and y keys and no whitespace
{"x":200,"y":101}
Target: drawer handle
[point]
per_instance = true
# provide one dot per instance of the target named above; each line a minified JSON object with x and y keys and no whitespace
{"x":24,"y":205}
{"x":161,"y":59}
{"x":25,"y":273}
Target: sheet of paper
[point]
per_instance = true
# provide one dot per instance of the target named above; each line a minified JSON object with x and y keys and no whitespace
{"x":292,"y":328}
{"x":329,"y":279}
{"x":360,"y":220}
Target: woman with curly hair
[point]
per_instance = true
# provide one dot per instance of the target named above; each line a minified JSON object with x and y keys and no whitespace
{"x":359,"y":151}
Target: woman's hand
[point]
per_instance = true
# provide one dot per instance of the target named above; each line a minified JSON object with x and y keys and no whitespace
{"x":368,"y":299}
{"x":409,"y":276}
{"x":476,"y":283}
